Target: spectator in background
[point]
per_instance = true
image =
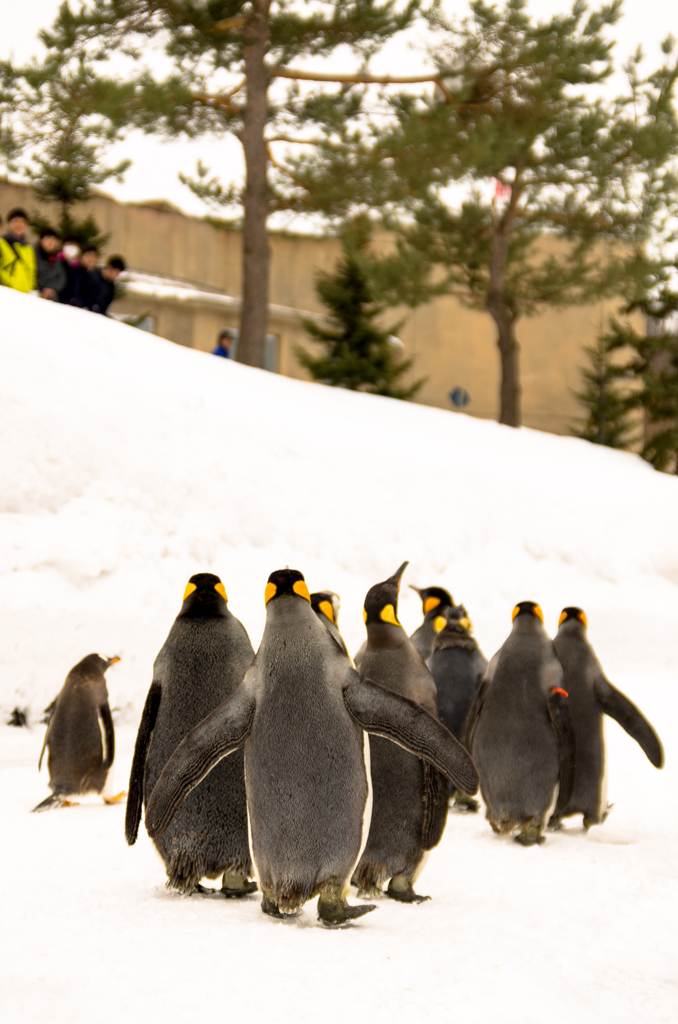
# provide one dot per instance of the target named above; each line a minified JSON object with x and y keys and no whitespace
{"x":225,"y":340}
{"x":70,"y":259}
{"x":17,"y":257}
{"x":82,"y":277}
{"x":102,"y":284}
{"x":52,"y":275}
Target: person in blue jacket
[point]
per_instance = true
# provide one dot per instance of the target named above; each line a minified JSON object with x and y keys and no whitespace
{"x":224,"y":342}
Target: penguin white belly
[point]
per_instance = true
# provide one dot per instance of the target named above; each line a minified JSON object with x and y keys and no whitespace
{"x":367,"y":812}
{"x":602,"y":790}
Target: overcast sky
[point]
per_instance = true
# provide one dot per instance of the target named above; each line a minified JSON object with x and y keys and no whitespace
{"x":156,"y":164}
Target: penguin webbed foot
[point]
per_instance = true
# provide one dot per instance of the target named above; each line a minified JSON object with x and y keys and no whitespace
{"x":463,"y":804}
{"x":334,"y":911}
{"x":237,"y":892}
{"x":400,"y":889}
{"x":530,"y":835}
{"x":202,"y":890}
{"x":270,"y":907}
{"x":118,"y":798}
{"x":554,"y":824}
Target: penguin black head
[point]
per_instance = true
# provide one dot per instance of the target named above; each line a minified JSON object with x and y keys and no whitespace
{"x":455,"y":618}
{"x":381,"y":602}
{"x":286,"y":582}
{"x":326,"y":602}
{"x":525,"y":608}
{"x":573,"y":614}
{"x":433,"y":598}
{"x":205,"y":595}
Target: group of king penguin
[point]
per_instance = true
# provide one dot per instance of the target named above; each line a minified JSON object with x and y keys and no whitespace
{"x":298,"y":771}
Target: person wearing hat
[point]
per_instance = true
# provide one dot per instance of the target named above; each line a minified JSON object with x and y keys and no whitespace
{"x":52,"y":275}
{"x":18,"y":268}
{"x":225,"y":340}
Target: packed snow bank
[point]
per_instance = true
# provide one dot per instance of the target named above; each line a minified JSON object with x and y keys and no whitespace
{"x":127,"y":464}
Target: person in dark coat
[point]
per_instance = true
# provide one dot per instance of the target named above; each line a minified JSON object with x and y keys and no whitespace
{"x":102,"y":284}
{"x":70,"y":260}
{"x":52,"y":277}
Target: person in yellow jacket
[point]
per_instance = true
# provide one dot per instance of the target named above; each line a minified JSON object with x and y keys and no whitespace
{"x":18,"y":268}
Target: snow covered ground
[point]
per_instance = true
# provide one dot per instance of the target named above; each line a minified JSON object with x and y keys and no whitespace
{"x":126,"y":465}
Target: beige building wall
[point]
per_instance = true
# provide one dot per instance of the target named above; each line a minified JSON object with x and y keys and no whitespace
{"x":452,"y":345}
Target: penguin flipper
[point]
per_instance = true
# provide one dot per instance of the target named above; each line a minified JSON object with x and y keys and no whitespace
{"x":403,"y":721}
{"x":559,"y":713}
{"x":136,"y":778}
{"x":107,"y":721}
{"x":436,"y":793}
{"x":631,"y":719}
{"x":223,"y":731}
{"x":482,"y":686}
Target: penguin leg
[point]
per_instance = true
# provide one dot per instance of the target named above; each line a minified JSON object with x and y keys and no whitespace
{"x":118,"y":798}
{"x":530,"y":834}
{"x":464,"y":804}
{"x":400,"y":888}
{"x":233,"y":886}
{"x":333,"y":909}
{"x":554,"y":824}
{"x":269,"y":905}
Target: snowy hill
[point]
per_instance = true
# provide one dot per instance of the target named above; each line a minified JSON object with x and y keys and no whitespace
{"x":127,"y":464}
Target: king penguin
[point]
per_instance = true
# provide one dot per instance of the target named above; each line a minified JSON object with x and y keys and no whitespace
{"x":434,"y":601}
{"x":457,"y":665}
{"x":303,"y":714}
{"x":591,"y":696}
{"x":410,"y":797}
{"x":519,"y":731}
{"x":326,"y":605}
{"x":80,"y":736}
{"x":202,"y":662}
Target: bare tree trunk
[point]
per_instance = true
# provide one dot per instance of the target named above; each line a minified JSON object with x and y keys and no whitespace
{"x":254,"y":312}
{"x":504,"y":317}
{"x":509,"y":353}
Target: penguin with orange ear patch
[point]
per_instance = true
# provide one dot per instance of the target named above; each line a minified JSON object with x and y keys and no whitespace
{"x":591,"y":696}
{"x":202,"y":663}
{"x":409,"y":807}
{"x":326,"y":604}
{"x":80,"y":738}
{"x":434,"y":602}
{"x":457,"y":665}
{"x":519,"y":731}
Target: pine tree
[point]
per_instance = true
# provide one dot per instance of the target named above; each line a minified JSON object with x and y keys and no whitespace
{"x":606,"y":397}
{"x":233,"y":72}
{"x":359,"y":355}
{"x":513,"y":119}
{"x":66,"y":163}
{"x":10,"y":137}
{"x":654,"y":367}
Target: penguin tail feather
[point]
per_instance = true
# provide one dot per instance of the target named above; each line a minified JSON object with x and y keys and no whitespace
{"x":184,"y":871}
{"x":50,"y":802}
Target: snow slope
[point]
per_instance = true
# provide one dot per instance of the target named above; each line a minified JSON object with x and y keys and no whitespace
{"x":127,"y":464}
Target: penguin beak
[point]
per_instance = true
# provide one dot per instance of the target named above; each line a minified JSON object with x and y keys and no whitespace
{"x":112,"y":661}
{"x":415,"y":589}
{"x":397,"y":575}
